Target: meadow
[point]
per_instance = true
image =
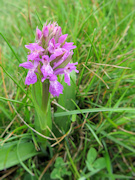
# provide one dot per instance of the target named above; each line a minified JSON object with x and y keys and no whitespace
{"x":100,"y":143}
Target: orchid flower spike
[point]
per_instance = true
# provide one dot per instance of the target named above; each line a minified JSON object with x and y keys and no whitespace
{"x":50,"y":56}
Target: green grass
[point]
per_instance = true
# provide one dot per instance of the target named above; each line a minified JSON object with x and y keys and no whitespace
{"x":103,"y":31}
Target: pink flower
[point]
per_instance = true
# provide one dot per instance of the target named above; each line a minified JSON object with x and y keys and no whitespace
{"x":66,"y":71}
{"x":52,"y":46}
{"x":55,"y":88}
{"x":36,"y":51}
{"x":50,"y":56}
{"x":46,"y":69}
{"x":31,"y":77}
{"x":68,"y":46}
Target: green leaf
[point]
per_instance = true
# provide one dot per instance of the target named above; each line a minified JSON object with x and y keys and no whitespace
{"x":43,"y":117}
{"x":73,"y":118}
{"x":14,"y":101}
{"x":29,"y":177}
{"x":82,"y":178}
{"x":91,"y":156}
{"x":55,"y":174}
{"x":99,"y":163}
{"x":59,"y":162}
{"x":89,"y":166}
{"x":60,"y":170}
{"x":65,"y":100}
{"x":59,"y":114}
{"x":8,"y":153}
{"x":94,"y":134}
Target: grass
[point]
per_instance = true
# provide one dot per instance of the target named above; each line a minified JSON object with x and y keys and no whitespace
{"x":103,"y":31}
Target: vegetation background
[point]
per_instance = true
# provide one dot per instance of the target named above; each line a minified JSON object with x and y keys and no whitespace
{"x":101,"y":143}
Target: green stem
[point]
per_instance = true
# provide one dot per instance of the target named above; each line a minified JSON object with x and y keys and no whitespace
{"x":40,"y":93}
{"x":45,"y":96}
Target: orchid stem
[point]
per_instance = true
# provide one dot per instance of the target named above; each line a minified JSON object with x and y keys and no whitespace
{"x":40,"y":93}
{"x":45,"y":96}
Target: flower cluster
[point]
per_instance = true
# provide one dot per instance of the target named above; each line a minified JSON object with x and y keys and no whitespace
{"x":50,"y":56}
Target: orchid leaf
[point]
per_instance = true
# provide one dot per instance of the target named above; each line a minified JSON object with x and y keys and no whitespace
{"x":8,"y":153}
{"x":65,"y":101}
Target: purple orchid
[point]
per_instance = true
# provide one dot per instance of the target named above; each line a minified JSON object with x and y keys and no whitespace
{"x":52,"y":46}
{"x":55,"y":88}
{"x":36,"y":51}
{"x":50,"y":56}
{"x":31,"y":77}
{"x":66,"y":71}
{"x":46,"y":69}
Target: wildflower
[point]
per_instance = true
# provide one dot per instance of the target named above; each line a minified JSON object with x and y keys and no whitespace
{"x":46,"y":69}
{"x":31,"y":77}
{"x":36,"y":51}
{"x":50,"y":56}
{"x":55,"y":88}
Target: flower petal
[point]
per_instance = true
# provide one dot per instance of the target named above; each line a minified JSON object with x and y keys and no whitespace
{"x":34,"y":47}
{"x":59,"y":71}
{"x":62,"y":38}
{"x":53,"y":77}
{"x":33,"y":56}
{"x":36,"y":63}
{"x":69,"y":46}
{"x":45,"y":31}
{"x":46,"y":70}
{"x":64,"y":57}
{"x":59,"y":52}
{"x":38,"y":33}
{"x":55,"y":88}
{"x":31,"y":46}
{"x":27,"y":65}
{"x":31,"y":78}
{"x":52,"y":57}
{"x":71,"y":66}
{"x":67,"y":78}
{"x":45,"y":57}
{"x":51,"y":46}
